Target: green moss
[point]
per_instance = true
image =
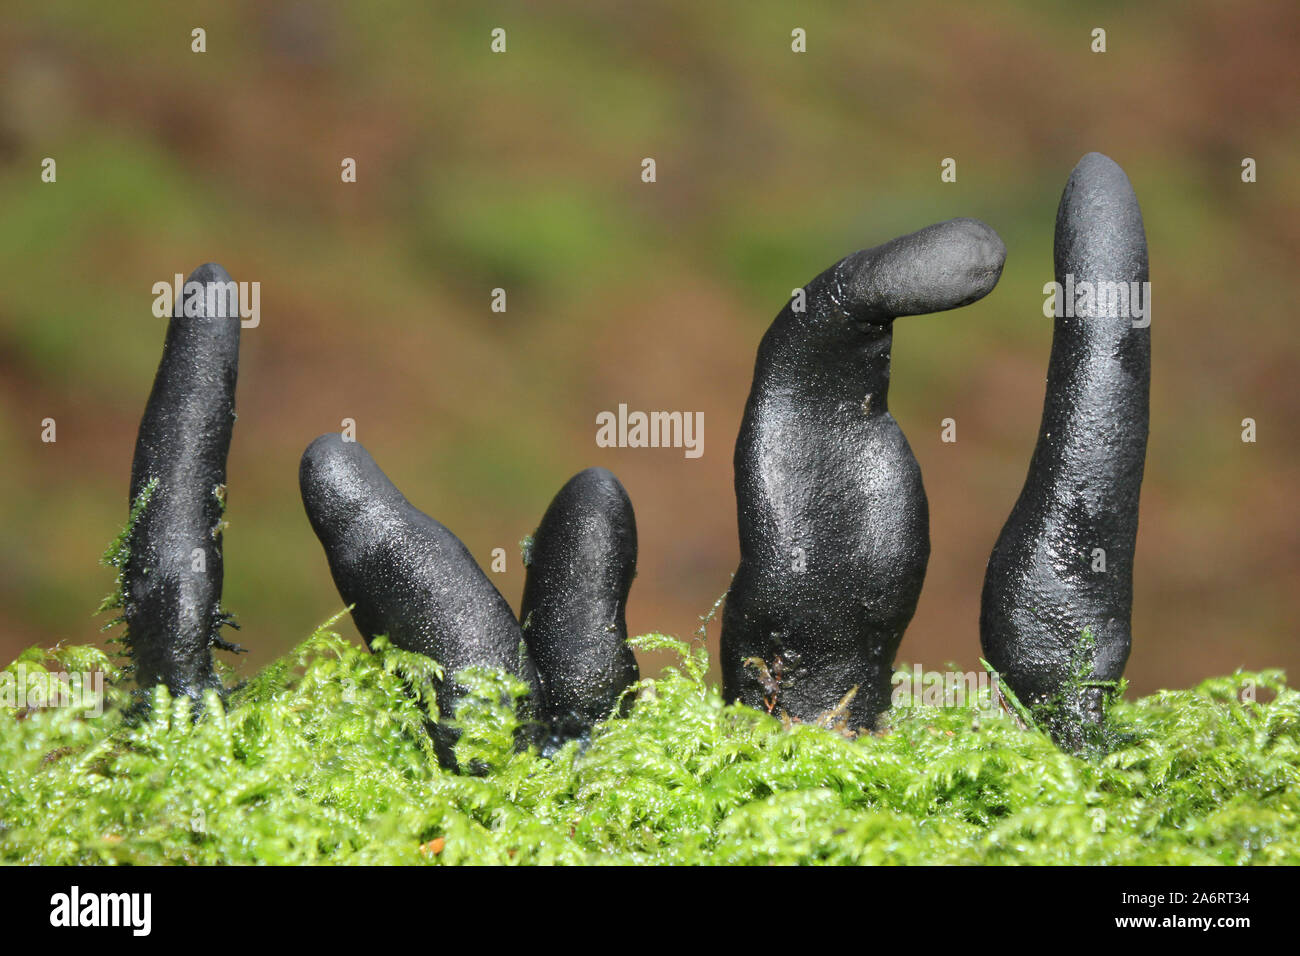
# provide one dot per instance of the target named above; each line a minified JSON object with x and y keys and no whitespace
{"x":119,"y":549}
{"x":1066,"y":715}
{"x":323,"y":757}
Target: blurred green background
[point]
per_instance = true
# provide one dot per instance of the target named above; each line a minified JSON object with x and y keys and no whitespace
{"x":522,"y":171}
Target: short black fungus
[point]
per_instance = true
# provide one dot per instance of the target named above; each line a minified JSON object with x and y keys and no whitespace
{"x":580,"y":568}
{"x":408,"y":577}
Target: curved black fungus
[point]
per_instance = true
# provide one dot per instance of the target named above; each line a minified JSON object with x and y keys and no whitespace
{"x":834,"y":525}
{"x":580,"y":569}
{"x":408,"y":577}
{"x":1050,"y":624}
{"x":171,"y":580}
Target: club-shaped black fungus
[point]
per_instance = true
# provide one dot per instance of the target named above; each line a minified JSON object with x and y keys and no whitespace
{"x":408,"y":577}
{"x":1063,"y":564}
{"x":580,"y":568}
{"x":171,"y":580}
{"x":834,"y":525}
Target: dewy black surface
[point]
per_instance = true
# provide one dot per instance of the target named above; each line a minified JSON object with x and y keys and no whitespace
{"x":408,"y":576}
{"x":580,"y":568}
{"x":826,"y":481}
{"x":173,"y":611}
{"x":1040,"y":591}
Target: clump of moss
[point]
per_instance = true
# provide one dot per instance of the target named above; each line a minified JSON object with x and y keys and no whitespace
{"x":1077,"y":716}
{"x":323,"y":756}
{"x":118,"y":551}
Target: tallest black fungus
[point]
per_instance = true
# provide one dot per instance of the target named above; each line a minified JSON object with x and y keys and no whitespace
{"x":1058,"y":593}
{"x":171,"y":580}
{"x":834,"y":525}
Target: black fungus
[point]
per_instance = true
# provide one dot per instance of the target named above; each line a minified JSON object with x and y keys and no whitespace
{"x":172,"y":578}
{"x":408,"y":577}
{"x":1058,"y":593}
{"x":580,"y":568}
{"x":834,"y":525}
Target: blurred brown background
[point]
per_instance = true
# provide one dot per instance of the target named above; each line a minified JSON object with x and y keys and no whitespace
{"x":522,"y":171}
